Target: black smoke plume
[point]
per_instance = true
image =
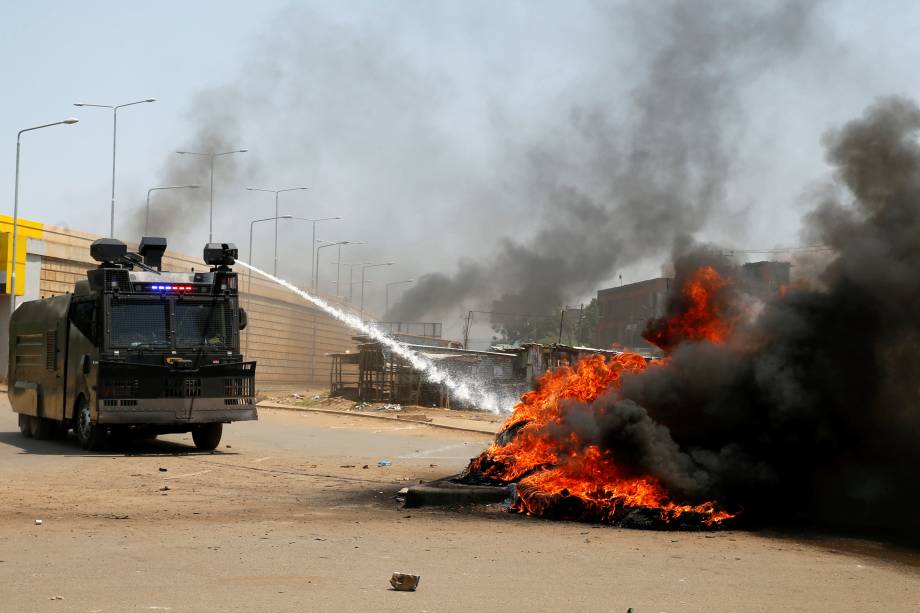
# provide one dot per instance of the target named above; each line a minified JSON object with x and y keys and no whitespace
{"x":811,"y":412}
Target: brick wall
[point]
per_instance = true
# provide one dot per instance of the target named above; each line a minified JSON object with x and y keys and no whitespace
{"x":622,"y":312}
{"x":282,"y":326}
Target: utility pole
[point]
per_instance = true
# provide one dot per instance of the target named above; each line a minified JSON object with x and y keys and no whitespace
{"x":561,"y":323}
{"x":466,"y":330}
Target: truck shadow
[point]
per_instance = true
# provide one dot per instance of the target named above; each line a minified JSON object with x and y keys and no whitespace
{"x":70,"y":447}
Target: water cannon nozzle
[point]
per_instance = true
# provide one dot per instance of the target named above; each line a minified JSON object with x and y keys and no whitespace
{"x":220,"y":254}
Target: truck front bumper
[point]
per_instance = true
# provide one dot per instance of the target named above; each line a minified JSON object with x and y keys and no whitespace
{"x":175,"y":411}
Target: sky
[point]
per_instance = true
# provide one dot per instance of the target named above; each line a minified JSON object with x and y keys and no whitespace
{"x":417,"y":122}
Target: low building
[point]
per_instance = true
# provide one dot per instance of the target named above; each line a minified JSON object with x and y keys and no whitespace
{"x":623,"y":311}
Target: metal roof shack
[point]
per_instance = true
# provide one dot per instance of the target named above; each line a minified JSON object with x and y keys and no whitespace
{"x":375,"y":374}
{"x":534,"y":359}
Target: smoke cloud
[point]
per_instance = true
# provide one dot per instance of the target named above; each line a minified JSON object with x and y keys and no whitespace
{"x":597,"y":161}
{"x":658,"y":172}
{"x":811,"y":411}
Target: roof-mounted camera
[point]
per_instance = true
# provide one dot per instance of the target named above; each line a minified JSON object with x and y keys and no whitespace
{"x":220,"y":254}
{"x":108,"y":250}
{"x":152,"y":249}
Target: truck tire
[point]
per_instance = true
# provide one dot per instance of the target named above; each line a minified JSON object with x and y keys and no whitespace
{"x":43,"y":428}
{"x":91,"y":436}
{"x":25,"y":425}
{"x":207,"y":436}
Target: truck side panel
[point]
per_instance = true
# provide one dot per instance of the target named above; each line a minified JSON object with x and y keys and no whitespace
{"x":38,"y":345}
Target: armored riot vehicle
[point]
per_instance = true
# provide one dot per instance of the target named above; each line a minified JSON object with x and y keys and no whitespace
{"x":134,"y":351}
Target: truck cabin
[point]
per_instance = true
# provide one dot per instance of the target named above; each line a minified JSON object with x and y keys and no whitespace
{"x":133,"y":310}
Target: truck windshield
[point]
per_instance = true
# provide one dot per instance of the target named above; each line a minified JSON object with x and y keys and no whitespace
{"x":206,"y":324}
{"x":139,"y":324}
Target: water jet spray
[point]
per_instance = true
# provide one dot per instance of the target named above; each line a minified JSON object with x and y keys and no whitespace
{"x":463,"y":389}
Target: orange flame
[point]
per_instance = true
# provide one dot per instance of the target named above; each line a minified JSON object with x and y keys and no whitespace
{"x":702,"y":318}
{"x":554,"y":472}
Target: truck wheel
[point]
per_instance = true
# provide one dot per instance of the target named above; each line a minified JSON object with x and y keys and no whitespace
{"x":90,"y":435}
{"x":43,"y":428}
{"x":25,"y":425}
{"x":207,"y":436}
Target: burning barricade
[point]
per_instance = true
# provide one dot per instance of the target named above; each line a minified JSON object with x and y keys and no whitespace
{"x":560,"y":473}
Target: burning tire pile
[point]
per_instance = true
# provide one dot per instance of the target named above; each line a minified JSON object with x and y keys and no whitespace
{"x":559,"y":475}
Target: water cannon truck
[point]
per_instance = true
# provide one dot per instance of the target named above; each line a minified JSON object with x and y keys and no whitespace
{"x":134,"y":351}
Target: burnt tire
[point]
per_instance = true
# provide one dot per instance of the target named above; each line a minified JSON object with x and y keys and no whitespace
{"x":25,"y":425}
{"x":43,"y":428}
{"x":207,"y":436}
{"x":91,"y":435}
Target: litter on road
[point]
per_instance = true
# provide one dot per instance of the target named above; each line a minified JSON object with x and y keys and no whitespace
{"x":403,"y":582}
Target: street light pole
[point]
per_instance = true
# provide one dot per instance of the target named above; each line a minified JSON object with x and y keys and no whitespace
{"x":114,"y":143}
{"x":363,"y":268}
{"x":314,"y":250}
{"x":315,"y":291}
{"x":351,"y":281}
{"x":277,"y":217}
{"x":338,"y":271}
{"x":211,"y":156}
{"x":338,"y":244}
{"x":12,"y":277}
{"x":153,"y":189}
{"x":387,"y":292}
{"x":249,"y":277}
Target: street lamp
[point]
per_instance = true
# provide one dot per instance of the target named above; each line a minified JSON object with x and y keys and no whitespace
{"x":114,"y":141}
{"x":253,"y":223}
{"x":387,"y":310}
{"x":211,"y":157}
{"x":338,"y":269}
{"x":249,"y":280}
{"x":154,"y":189}
{"x":12,"y":279}
{"x":363,"y":268}
{"x":323,"y":246}
{"x":351,"y":279}
{"x":276,"y":192}
{"x":314,"y":250}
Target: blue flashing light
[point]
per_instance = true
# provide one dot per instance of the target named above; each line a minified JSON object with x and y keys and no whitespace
{"x":171,"y":288}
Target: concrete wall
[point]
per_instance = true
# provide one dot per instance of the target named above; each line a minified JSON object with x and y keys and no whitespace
{"x":288,"y":338}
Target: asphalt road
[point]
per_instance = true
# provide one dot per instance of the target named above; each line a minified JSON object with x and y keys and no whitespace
{"x":284,"y":517}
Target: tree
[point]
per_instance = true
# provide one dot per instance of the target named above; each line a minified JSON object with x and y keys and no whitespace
{"x":519,"y":328}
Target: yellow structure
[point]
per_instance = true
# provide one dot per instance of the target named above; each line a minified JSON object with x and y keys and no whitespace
{"x":27,"y":229}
